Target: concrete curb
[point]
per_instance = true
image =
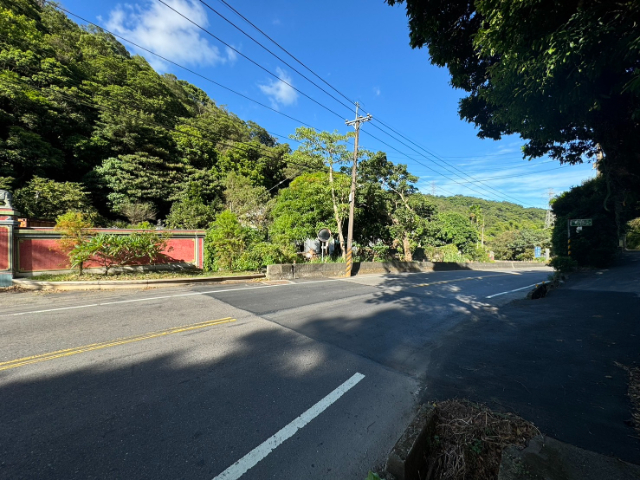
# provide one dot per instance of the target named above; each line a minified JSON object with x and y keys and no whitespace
{"x":116,"y":284}
{"x":407,"y":459}
{"x":334,"y":270}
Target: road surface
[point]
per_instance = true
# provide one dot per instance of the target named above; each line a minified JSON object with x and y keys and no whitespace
{"x":305,"y":379}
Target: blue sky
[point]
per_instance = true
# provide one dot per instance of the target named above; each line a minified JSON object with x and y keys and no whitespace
{"x":360,"y":47}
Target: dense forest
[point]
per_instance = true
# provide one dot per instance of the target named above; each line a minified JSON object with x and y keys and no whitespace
{"x":87,"y":127}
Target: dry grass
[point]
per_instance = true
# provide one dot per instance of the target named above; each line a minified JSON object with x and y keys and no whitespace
{"x":469,"y":440}
{"x":634,"y":393}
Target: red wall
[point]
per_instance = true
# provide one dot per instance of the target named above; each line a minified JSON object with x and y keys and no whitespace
{"x":44,"y":254}
{"x":4,"y":248}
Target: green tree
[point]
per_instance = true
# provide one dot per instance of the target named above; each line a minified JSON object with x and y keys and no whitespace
{"x":595,"y":245}
{"x":562,"y":75}
{"x":329,"y":149}
{"x":519,"y":244}
{"x":249,"y":203}
{"x":407,"y":211}
{"x":224,"y":243}
{"x":191,"y":212}
{"x":302,"y":209}
{"x":140,"y":177}
{"x":453,"y":228}
{"x":47,"y":199}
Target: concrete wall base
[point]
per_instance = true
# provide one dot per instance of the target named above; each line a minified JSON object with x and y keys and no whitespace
{"x":291,"y":271}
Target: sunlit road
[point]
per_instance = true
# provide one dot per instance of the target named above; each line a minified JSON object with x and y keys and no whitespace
{"x":312,"y":379}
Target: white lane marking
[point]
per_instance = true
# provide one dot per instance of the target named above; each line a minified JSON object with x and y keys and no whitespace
{"x":161,"y":297}
{"x":511,"y":291}
{"x":239,"y":468}
{"x":146,"y":299}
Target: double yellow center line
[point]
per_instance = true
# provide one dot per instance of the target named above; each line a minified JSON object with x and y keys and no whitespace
{"x":44,"y":357}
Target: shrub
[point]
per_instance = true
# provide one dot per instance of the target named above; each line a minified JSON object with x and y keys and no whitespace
{"x":447,"y":253}
{"x":563,"y":264}
{"x":111,"y":250}
{"x":260,"y":255}
{"x":224,"y":243}
{"x":75,"y":228}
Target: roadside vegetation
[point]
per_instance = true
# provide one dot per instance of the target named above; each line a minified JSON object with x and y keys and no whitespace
{"x":92,"y":136}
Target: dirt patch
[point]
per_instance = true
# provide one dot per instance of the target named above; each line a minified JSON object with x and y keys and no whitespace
{"x":469,"y":440}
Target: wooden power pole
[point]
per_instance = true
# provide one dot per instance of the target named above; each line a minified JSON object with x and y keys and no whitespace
{"x":352,"y":196}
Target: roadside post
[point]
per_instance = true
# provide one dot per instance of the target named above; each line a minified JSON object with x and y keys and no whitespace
{"x":324,"y":236}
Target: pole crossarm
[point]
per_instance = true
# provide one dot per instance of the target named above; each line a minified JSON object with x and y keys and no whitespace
{"x":352,"y":198}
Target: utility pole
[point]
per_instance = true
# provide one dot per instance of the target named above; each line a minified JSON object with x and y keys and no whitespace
{"x":599,"y":157}
{"x":352,"y":196}
{"x":433,"y":188}
{"x":548,"y":221}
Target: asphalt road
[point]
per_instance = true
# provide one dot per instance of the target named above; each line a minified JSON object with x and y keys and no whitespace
{"x":312,"y":379}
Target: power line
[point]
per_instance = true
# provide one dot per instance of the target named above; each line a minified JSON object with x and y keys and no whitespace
{"x":275,"y":55}
{"x":263,"y":68}
{"x":180,"y":66}
{"x":288,"y":53}
{"x":426,"y":166}
{"x":344,"y":96}
{"x":435,"y":157}
{"x":251,"y":60}
{"x":517,"y":175}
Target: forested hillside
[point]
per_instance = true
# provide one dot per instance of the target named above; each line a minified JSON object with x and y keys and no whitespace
{"x":87,"y":127}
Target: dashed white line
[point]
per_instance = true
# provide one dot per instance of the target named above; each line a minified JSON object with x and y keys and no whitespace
{"x":511,"y":291}
{"x":239,"y":468}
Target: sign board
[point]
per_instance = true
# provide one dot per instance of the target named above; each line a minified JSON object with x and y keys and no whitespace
{"x":537,"y":252}
{"x":581,"y":222}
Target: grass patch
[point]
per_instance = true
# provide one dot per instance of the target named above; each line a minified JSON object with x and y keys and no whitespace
{"x":74,"y":277}
{"x":469,"y":440}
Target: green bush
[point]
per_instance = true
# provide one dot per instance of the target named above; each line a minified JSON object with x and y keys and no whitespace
{"x":446,"y":253}
{"x":260,"y":255}
{"x":563,"y":264}
{"x":225,"y":242}
{"x":111,"y":250}
{"x":479,"y":254}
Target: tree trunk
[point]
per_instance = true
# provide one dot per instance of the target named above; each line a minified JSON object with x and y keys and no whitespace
{"x":406,"y":246}
{"x":337,"y":215}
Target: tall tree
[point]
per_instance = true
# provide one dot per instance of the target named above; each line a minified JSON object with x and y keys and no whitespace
{"x":564,"y":75}
{"x":331,"y":150}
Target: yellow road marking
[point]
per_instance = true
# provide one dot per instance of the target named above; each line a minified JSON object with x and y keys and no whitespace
{"x":452,"y":281}
{"x":44,"y":357}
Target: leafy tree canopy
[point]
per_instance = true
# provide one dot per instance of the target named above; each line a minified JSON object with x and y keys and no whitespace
{"x":564,"y":75}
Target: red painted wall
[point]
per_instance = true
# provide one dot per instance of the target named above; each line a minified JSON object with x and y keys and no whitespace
{"x":44,"y":254}
{"x":4,"y":248}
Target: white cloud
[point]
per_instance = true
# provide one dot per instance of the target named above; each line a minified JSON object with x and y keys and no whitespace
{"x":158,"y":28}
{"x":278,"y":91}
{"x":530,"y":187}
{"x":232,"y":56}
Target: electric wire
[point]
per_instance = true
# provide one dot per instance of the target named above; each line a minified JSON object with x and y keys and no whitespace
{"x":252,"y":61}
{"x":349,"y":107}
{"x":344,"y":96}
{"x":180,"y":66}
{"x":288,"y":53}
{"x":263,"y":68}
